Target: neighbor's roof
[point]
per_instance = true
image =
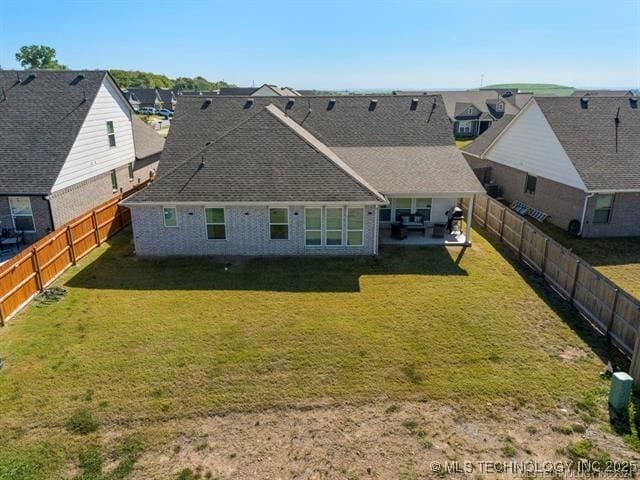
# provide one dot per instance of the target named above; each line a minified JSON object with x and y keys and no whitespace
{"x":268,"y":157}
{"x":602,"y":93}
{"x":146,"y":95}
{"x":606,"y":157}
{"x":479,"y":99}
{"x":237,"y":91}
{"x":41,"y":113}
{"x":480,"y":144}
{"x":166,"y":95}
{"x":146,"y":140}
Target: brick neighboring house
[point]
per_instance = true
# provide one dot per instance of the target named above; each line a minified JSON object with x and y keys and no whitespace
{"x":472,"y":112}
{"x":300,"y":176}
{"x":576,"y":159}
{"x":69,"y":142}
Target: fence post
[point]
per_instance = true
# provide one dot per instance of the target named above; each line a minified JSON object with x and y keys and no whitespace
{"x":613,"y":311}
{"x":94,"y":221}
{"x":486,"y":213}
{"x":543,"y":265}
{"x":575,"y":281}
{"x":36,"y":268}
{"x":71,"y":246}
{"x":2,"y":316}
{"x":521,"y":238}
{"x":634,"y":368}
{"x":504,"y":211}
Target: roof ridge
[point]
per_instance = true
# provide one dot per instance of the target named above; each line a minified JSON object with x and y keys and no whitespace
{"x":320,"y":147}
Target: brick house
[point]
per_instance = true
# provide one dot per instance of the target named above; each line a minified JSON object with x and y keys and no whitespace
{"x":576,"y":159}
{"x":301,"y":176}
{"x":69,"y":142}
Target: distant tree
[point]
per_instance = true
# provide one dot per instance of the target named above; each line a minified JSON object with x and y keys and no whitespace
{"x":39,"y":57}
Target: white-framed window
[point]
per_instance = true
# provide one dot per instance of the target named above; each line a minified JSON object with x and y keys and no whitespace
{"x":530,"y":184}
{"x":422,"y":207}
{"x":130,"y":170}
{"x":214,"y":220}
{"x":313,"y":226}
{"x":602,"y":212}
{"x":22,"y":214}
{"x":355,"y":226}
{"x":499,"y":107}
{"x":464,"y":126}
{"x":111,"y":134}
{"x":279,"y":223}
{"x":333,"y":225}
{"x":385,"y":213}
{"x":114,"y":181}
{"x":403,"y":207}
{"x":170,"y":216}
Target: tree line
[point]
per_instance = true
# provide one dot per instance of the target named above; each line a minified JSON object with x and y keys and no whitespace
{"x":42,"y":57}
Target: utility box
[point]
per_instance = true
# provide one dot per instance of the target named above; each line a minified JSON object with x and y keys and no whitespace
{"x":620,"y":393}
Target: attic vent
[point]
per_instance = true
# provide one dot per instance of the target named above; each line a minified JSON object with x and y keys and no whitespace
{"x":414,"y":104}
{"x":331,"y":104}
{"x":248,"y":103}
{"x":78,"y":79}
{"x":584,"y":102}
{"x":633,"y":102}
{"x":206,"y":104}
{"x":372,"y":104}
{"x":290,"y":104}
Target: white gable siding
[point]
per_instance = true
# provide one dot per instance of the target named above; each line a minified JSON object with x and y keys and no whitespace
{"x":91,"y":154}
{"x":530,"y":145}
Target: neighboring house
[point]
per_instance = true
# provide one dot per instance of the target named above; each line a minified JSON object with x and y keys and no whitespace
{"x":576,"y":159}
{"x":602,"y":93}
{"x":472,"y":112}
{"x":263,"y":91}
{"x":148,"y":97}
{"x":307,"y":176}
{"x":69,"y":142}
{"x":132,"y":99}
{"x":168,"y":98}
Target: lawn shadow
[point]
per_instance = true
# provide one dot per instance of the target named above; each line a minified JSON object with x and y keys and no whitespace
{"x":598,"y":343}
{"x":118,"y":268}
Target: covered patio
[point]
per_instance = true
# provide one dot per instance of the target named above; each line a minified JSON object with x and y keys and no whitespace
{"x":417,"y":238}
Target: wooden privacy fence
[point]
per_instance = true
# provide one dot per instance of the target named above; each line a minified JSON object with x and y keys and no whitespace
{"x":31,"y":270}
{"x":607,"y":307}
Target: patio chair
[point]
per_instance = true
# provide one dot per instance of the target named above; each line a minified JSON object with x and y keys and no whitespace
{"x":11,"y":238}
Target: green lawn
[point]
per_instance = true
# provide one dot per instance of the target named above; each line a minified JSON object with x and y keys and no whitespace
{"x":541,"y":89}
{"x":137,"y":342}
{"x":617,"y":258}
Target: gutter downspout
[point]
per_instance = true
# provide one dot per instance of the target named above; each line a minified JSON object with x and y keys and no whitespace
{"x":584,"y":212}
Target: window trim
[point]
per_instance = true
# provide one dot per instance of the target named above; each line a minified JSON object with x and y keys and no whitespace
{"x":609,"y":208}
{"x":164,"y":218}
{"x":354,"y":230}
{"x":114,"y":180}
{"x":526,"y":184}
{"x":322,"y":224}
{"x":206,"y":224}
{"x":343,"y":219}
{"x":112,"y":134}
{"x":412,"y":209}
{"x":13,"y":216}
{"x":288,"y":224}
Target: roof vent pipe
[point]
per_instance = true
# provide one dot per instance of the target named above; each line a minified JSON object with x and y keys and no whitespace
{"x":372,"y":104}
{"x":331,"y":104}
{"x":633,"y":102}
{"x":584,"y":102}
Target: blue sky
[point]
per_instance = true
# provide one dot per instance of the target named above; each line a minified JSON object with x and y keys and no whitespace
{"x":340,"y":44}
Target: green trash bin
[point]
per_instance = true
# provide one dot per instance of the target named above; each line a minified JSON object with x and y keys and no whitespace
{"x":620,"y":393}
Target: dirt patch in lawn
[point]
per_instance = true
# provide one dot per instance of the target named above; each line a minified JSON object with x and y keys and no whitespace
{"x":384,"y":440}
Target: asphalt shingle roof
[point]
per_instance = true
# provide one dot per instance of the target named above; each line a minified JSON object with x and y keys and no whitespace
{"x":266,"y":158}
{"x":40,"y":118}
{"x":166,"y":96}
{"x":146,"y":95}
{"x":146,"y":140}
{"x":606,"y":157}
{"x":602,"y":93}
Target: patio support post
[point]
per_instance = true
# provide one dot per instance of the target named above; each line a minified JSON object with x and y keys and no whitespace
{"x":467,"y":234}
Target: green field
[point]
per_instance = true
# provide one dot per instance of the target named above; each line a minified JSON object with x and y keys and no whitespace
{"x":540,"y":89}
{"x":136,"y":343}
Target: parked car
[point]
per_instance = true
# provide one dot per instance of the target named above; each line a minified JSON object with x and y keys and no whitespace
{"x":148,"y":111}
{"x":165,"y":112}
